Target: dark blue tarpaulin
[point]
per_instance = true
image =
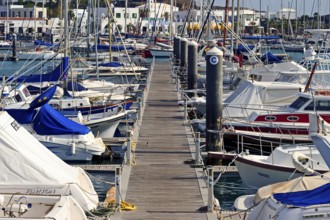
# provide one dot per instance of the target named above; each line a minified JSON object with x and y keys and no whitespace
{"x":75,"y":86}
{"x":49,"y":122}
{"x":113,"y":47}
{"x":111,"y":64}
{"x":305,"y":198}
{"x":43,"y":98}
{"x":57,"y":74}
{"x":42,"y":43}
{"x":22,"y":116}
{"x":270,"y":58}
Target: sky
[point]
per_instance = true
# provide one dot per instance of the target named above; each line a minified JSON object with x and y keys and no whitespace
{"x":311,"y":6}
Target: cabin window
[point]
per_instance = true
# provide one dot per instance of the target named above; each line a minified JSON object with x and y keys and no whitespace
{"x":298,"y":103}
{"x":18,"y":98}
{"x":118,"y":15}
{"x":320,"y":105}
{"x":134,"y":15}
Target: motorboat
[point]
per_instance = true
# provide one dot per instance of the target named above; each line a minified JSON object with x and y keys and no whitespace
{"x":299,"y":198}
{"x":258,"y":170}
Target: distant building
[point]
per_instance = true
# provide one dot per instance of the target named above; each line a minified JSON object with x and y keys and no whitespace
{"x":22,"y":20}
{"x":287,"y":13}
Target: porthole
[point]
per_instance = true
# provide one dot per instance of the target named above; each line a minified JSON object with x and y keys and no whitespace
{"x":293,"y":118}
{"x":270,"y":118}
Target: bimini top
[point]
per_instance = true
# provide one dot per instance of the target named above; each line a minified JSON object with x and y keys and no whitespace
{"x":317,"y":196}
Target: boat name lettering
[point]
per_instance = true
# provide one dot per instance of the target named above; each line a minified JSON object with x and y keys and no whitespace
{"x":15,"y":125}
{"x":41,"y":191}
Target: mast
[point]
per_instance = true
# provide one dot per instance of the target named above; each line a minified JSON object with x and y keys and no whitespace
{"x":232,"y":26}
{"x":296,"y":18}
{"x":304,"y":8}
{"x":149,"y":15}
{"x":237,"y":22}
{"x":318,"y":15}
{"x":88,"y":27}
{"x":226,"y":21}
{"x":171,"y":21}
{"x":282,"y":25}
{"x":66,"y":31}
{"x":125,"y":28}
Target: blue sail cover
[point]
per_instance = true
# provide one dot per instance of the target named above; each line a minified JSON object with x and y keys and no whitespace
{"x":75,"y":86}
{"x":305,"y":198}
{"x":49,"y":122}
{"x":270,"y":58}
{"x":113,"y":47}
{"x":42,"y":43}
{"x":111,"y":64}
{"x":43,"y":98}
{"x":22,"y":116}
{"x":57,"y":74}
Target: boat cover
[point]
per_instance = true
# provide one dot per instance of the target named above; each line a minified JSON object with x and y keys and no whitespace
{"x":42,"y":43}
{"x":25,"y":161}
{"x":270,"y":58}
{"x":48,"y":121}
{"x":75,"y":86}
{"x":113,"y":47}
{"x":57,"y":74}
{"x":299,"y":184}
{"x":111,"y":64}
{"x":26,"y":166}
{"x":305,"y":198}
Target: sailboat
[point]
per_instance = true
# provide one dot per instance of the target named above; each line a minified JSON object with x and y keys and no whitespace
{"x":69,"y":140}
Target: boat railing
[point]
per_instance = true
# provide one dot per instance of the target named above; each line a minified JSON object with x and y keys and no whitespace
{"x":248,"y":111}
{"x":259,"y":136}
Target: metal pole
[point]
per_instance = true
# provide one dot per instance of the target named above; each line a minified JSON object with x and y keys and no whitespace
{"x":14,"y":58}
{"x":198,"y":146}
{"x":214,"y":87}
{"x":192,"y":65}
{"x":118,"y":186}
{"x":128,"y":151}
{"x":210,"y":189}
{"x":185,"y":110}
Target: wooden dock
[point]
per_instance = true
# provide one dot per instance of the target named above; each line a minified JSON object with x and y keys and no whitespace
{"x":162,"y":184}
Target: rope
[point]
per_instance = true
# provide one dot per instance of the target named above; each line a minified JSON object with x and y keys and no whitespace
{"x":226,"y":168}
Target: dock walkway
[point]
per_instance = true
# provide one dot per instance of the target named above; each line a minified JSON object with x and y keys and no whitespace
{"x":162,"y":184}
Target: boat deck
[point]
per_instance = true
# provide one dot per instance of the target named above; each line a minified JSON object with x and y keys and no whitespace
{"x":162,"y":184}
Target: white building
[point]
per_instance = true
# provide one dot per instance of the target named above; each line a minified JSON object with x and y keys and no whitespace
{"x":22,"y":20}
{"x":286,"y":13}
